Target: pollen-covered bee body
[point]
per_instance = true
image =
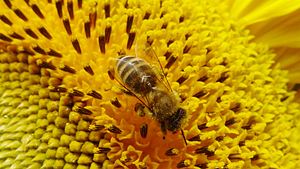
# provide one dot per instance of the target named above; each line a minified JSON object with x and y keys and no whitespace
{"x":162,"y":103}
{"x":140,"y":78}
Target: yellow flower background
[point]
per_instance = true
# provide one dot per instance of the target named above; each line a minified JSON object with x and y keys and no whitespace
{"x":233,"y":65}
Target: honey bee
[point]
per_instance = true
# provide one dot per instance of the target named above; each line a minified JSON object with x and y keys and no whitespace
{"x":139,"y":77}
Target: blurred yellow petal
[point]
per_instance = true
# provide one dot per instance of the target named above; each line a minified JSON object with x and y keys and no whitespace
{"x":252,"y":11}
{"x":289,"y":59}
{"x":276,"y":24}
{"x":283,"y":31}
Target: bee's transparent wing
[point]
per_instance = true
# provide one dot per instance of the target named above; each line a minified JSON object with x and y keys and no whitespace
{"x":145,"y":51}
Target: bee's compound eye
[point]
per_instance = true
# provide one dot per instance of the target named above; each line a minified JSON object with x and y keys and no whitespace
{"x":181,"y":112}
{"x":174,"y":121}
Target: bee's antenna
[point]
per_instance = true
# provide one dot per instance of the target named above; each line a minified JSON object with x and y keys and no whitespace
{"x":183,"y":136}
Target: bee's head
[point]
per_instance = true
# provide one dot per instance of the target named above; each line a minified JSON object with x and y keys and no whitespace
{"x":175,"y":121}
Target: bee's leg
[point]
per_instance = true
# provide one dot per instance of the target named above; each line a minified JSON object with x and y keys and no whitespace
{"x":127,"y":92}
{"x":183,"y":136}
{"x":139,"y":109}
{"x":163,"y":127}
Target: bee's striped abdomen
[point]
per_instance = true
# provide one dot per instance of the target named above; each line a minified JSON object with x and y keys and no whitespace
{"x":136,"y":74}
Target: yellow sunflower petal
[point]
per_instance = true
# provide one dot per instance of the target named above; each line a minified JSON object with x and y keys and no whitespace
{"x":276,"y":24}
{"x":289,"y":59}
{"x":252,"y":11}
{"x":280,"y":31}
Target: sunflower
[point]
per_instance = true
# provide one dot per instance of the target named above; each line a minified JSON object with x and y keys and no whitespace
{"x":231,"y":65}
